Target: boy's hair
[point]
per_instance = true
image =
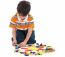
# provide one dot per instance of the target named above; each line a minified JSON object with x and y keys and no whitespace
{"x":23,"y":8}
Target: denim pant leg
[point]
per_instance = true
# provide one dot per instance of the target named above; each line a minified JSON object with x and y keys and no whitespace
{"x":19,"y":36}
{"x":32,"y":38}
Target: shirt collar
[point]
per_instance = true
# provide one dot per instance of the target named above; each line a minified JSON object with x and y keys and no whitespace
{"x":25,"y":18}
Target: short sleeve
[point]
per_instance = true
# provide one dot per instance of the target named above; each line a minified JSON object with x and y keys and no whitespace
{"x":13,"y":22}
{"x":30,"y":22}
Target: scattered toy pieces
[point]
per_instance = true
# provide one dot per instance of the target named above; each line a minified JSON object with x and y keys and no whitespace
{"x":34,"y":49}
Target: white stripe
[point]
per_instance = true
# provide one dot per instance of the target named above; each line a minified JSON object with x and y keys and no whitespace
{"x":24,"y":21}
{"x":31,"y":21}
{"x":20,"y":22}
{"x":22,"y":29}
{"x":12,"y":22}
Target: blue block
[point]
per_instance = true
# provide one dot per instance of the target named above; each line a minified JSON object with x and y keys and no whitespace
{"x":16,"y":47}
{"x":26,"y":54}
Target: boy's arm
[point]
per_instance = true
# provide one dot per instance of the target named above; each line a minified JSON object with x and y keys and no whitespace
{"x":14,"y":33}
{"x":30,"y":28}
{"x":28,"y":35}
{"x":13,"y":26}
{"x":14,"y":37}
{"x":27,"y":38}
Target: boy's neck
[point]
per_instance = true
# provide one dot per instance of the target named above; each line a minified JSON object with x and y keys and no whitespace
{"x":22,"y":17}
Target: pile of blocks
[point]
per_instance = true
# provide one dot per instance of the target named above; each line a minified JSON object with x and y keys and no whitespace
{"x":34,"y":49}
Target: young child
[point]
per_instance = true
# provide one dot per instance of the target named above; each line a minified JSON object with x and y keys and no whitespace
{"x":22,"y":25}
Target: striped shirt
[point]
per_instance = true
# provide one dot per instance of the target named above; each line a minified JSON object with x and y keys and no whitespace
{"x":22,"y":24}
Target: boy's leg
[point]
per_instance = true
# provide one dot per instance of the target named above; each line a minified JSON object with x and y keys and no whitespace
{"x":32,"y":38}
{"x":19,"y":36}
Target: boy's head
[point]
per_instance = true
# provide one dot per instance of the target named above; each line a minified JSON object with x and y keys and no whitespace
{"x":23,"y":8}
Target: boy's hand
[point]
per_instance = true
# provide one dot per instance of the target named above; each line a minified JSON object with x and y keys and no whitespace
{"x":22,"y":44}
{"x":14,"y":42}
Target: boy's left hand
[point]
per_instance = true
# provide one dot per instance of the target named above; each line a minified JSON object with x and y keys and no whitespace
{"x":22,"y":44}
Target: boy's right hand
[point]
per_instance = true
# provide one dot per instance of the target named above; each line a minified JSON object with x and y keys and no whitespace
{"x":14,"y":42}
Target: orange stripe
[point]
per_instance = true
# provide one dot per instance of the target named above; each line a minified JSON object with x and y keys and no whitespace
{"x":31,"y":25}
{"x":14,"y":19}
{"x":12,"y":26}
{"x":29,"y":19}
{"x":19,"y":26}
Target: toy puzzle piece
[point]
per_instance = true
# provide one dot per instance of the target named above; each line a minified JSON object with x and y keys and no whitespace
{"x":49,"y":49}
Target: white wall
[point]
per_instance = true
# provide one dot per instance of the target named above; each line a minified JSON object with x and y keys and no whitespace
{"x":49,"y":16}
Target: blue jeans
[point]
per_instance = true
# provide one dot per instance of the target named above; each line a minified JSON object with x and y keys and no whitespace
{"x":21,"y":35}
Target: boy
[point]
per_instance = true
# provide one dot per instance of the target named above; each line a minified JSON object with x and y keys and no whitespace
{"x":22,"y":25}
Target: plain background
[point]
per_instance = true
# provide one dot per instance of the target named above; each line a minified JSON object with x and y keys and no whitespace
{"x":49,"y":17}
